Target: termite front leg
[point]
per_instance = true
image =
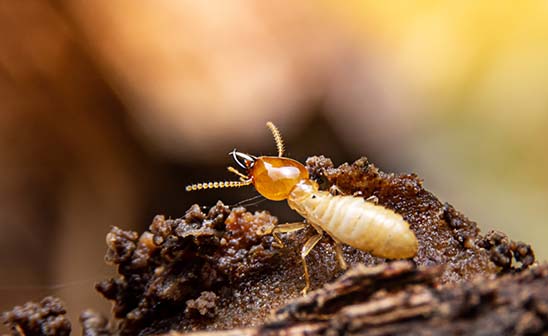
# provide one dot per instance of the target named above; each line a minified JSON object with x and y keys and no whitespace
{"x":285,"y":228}
{"x":307,"y":247}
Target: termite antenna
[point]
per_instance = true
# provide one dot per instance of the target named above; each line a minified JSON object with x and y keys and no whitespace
{"x":217,"y":185}
{"x":277,"y":138}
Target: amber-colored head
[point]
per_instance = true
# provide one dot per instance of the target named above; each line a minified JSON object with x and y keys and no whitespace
{"x":273,"y":176}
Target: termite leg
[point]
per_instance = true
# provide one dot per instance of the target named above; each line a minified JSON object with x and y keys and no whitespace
{"x":307,"y":247}
{"x":373,"y":199}
{"x":285,"y":228}
{"x":340,"y":256}
{"x":335,"y":190}
{"x":19,"y":329}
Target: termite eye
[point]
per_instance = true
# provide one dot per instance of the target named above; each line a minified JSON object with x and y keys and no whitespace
{"x":313,"y":196}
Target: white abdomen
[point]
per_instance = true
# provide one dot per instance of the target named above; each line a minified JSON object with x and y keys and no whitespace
{"x":360,"y":224}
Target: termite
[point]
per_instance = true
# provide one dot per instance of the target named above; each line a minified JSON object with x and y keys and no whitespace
{"x":347,"y":219}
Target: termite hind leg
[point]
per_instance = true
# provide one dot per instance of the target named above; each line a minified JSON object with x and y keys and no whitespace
{"x":335,"y":190}
{"x":340,"y":256}
{"x":373,"y":199}
{"x":285,"y":228}
{"x":307,"y":247}
{"x":20,"y":330}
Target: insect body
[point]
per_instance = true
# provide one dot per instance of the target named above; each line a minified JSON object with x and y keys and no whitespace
{"x":355,"y":222}
{"x":347,"y":219}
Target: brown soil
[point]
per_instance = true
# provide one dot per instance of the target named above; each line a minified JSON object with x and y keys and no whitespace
{"x":215,"y":269}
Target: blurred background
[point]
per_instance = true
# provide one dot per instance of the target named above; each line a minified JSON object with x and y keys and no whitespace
{"x":109,"y":108}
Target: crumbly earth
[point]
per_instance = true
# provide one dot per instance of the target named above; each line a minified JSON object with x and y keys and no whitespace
{"x":95,"y":324}
{"x":178,"y":272}
{"x":44,"y":318}
{"x":216,"y":269}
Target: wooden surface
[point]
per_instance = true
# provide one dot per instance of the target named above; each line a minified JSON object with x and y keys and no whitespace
{"x":398,"y":298}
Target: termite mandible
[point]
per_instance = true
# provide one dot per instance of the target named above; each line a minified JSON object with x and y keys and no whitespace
{"x":347,"y":219}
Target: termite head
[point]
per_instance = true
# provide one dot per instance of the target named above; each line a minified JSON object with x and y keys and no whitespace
{"x":272,"y":176}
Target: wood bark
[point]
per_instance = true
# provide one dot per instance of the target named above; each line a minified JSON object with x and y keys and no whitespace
{"x":400,"y":298}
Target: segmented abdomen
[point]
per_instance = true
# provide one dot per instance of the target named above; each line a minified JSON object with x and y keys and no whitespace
{"x":363,"y":225}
